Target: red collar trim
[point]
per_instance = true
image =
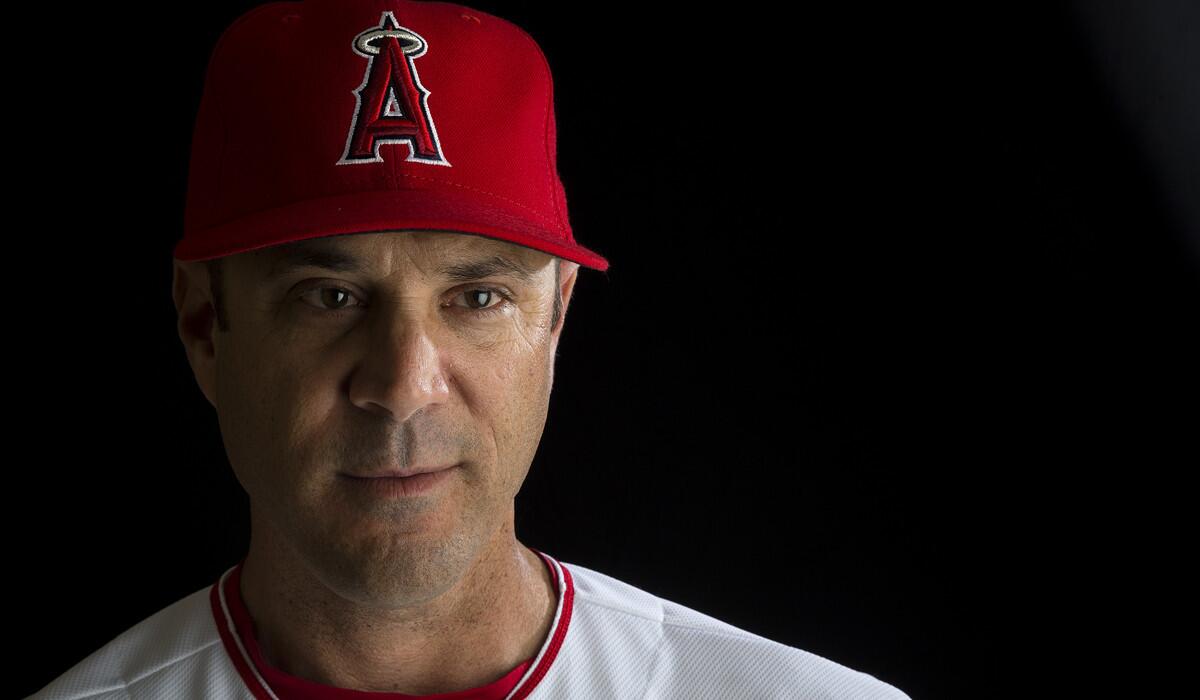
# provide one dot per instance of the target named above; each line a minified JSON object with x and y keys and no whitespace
{"x":268,"y":683}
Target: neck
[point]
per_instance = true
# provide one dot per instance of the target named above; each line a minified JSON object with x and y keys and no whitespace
{"x":366,"y":626}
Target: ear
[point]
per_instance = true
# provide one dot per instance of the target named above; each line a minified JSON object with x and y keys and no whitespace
{"x":568,"y":272}
{"x":197,"y":325}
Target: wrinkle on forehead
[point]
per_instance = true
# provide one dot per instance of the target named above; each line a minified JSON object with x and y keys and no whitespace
{"x":441,"y":246}
{"x":424,"y":249}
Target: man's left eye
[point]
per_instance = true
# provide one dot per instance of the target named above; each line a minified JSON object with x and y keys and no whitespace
{"x":485,"y":293}
{"x":337,"y":292}
{"x":482,"y":301}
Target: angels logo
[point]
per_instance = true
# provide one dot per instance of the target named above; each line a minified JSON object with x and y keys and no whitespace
{"x":391,"y":105}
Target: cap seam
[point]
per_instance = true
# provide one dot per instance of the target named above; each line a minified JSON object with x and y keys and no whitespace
{"x":551,"y":165}
{"x":218,"y":102}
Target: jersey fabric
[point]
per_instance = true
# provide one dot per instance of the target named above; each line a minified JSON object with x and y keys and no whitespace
{"x":609,"y":640}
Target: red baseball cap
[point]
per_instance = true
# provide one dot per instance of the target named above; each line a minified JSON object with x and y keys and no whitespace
{"x":327,"y":117}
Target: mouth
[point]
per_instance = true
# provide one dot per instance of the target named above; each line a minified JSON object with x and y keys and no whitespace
{"x":401,"y":474}
{"x":397,"y":484}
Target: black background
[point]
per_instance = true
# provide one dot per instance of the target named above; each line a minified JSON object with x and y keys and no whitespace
{"x":894,"y":362}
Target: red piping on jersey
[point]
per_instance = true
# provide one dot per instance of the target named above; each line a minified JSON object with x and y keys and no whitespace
{"x":559,"y":633}
{"x":226,"y":613}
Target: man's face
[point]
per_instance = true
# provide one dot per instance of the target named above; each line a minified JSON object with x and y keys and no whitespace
{"x":330,"y":373}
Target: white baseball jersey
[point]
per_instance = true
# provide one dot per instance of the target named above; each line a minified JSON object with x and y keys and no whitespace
{"x":609,"y":640}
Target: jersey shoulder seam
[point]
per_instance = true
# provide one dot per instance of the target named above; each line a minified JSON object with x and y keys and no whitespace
{"x":739,"y":633}
{"x":172,"y":662}
{"x":658,"y":652}
{"x":736,"y":632}
{"x":125,"y":684}
{"x":598,"y":602}
{"x":95,"y":693}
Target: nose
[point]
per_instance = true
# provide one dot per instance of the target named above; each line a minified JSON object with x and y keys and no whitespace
{"x":403,"y":370}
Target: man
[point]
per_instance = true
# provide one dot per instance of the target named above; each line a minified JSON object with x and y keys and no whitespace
{"x":371,"y":286}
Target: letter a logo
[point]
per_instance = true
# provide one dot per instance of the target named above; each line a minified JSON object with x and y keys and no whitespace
{"x":390,"y":102}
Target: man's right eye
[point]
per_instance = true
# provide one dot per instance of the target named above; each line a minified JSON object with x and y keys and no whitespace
{"x":329,"y":299}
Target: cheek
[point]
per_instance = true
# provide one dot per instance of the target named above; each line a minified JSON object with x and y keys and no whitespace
{"x":517,"y":405}
{"x":240,"y":412}
{"x":266,"y":417}
{"x":522,"y":353}
{"x":515,"y":376}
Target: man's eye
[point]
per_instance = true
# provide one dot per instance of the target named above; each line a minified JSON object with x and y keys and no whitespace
{"x":335,"y":297}
{"x":483,"y":296}
{"x":481,"y":301}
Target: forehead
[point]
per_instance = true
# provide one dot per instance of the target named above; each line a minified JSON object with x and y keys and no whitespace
{"x":432,"y":253}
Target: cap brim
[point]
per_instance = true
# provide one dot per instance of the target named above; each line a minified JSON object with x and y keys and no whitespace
{"x":377,"y":212}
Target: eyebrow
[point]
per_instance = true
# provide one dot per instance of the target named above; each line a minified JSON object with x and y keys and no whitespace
{"x":337,"y":261}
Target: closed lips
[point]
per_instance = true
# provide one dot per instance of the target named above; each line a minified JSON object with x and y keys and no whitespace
{"x":395,"y":473}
